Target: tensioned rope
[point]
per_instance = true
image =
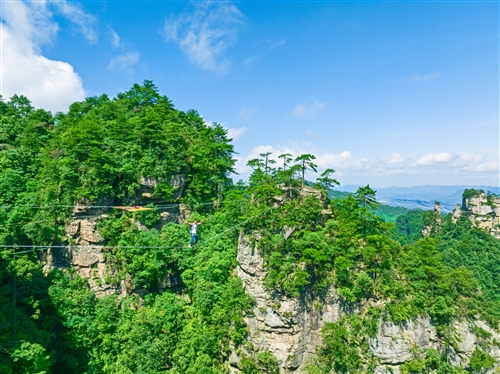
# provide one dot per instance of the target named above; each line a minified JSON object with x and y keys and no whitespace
{"x":111,"y":206}
{"x":46,"y":247}
{"x":51,"y":220}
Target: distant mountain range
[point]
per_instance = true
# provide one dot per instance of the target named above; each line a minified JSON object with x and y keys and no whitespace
{"x":422,"y":197}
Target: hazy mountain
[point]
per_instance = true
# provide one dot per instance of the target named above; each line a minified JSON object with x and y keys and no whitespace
{"x":422,"y":197}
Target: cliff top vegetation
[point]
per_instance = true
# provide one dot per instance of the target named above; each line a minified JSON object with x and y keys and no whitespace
{"x":101,"y":150}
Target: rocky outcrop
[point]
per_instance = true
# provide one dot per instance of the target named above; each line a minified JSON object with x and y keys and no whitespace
{"x":484,"y":212}
{"x":147,"y":186}
{"x":287,"y":327}
{"x":92,"y":264}
{"x":88,"y":263}
{"x":290,"y":327}
{"x":396,"y":344}
{"x":426,"y":230}
{"x":457,"y":213}
{"x":85,"y":252}
{"x":143,"y":195}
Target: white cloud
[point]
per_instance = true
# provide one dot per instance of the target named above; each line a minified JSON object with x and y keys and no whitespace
{"x":308,"y":110}
{"x":396,"y":158}
{"x":435,"y":168}
{"x":247,"y":113}
{"x":236,"y":132}
{"x":266,"y":46}
{"x":488,"y":166}
{"x":425,"y":78}
{"x":27,"y":26}
{"x":124,"y":62}
{"x":430,"y":158}
{"x":205,"y":33}
{"x":114,"y":38}
{"x":76,"y":14}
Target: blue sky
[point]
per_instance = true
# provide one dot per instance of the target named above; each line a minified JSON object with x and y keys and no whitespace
{"x":386,"y":93}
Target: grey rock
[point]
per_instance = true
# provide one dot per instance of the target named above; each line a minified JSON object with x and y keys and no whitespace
{"x":290,"y":328}
{"x":484,"y":214}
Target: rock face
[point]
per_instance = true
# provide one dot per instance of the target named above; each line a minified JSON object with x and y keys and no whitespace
{"x":426,"y":230}
{"x":286,"y":327}
{"x":91,"y":263}
{"x":290,"y":327}
{"x":484,"y":212}
{"x":145,"y":195}
{"x":396,"y":344}
{"x":85,"y":253}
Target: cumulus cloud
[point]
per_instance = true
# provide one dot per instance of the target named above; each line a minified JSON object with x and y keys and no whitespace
{"x":236,"y":132}
{"x":425,"y":78}
{"x":308,"y":110}
{"x":488,"y":166}
{"x":124,"y":62}
{"x":432,"y":168}
{"x":204,"y":32}
{"x":114,"y":38}
{"x":27,"y":26}
{"x":396,"y":158}
{"x":430,"y":158}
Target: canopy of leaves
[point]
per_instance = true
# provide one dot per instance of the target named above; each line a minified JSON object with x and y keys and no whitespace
{"x":103,"y":147}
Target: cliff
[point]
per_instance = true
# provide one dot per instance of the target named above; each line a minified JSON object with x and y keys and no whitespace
{"x":85,"y":253}
{"x":482,"y":210}
{"x":290,"y":328}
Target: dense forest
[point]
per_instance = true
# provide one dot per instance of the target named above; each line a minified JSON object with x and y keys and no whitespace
{"x":101,"y":148}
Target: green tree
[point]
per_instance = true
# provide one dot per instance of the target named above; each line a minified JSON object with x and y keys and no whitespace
{"x":366,"y":197}
{"x":326,"y":181}
{"x":267,"y":161}
{"x":286,"y":158}
{"x":305,"y":162}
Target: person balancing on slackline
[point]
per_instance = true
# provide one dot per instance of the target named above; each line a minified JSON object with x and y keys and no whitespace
{"x":194,"y":232}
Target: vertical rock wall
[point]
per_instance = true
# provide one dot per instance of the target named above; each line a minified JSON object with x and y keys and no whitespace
{"x":484,"y":212}
{"x":287,"y":327}
{"x":290,"y":327}
{"x":90,"y":261}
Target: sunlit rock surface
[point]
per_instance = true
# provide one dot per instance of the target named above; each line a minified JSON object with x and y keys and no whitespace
{"x":290,"y":327}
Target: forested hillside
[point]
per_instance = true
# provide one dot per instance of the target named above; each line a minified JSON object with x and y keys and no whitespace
{"x":96,"y":160}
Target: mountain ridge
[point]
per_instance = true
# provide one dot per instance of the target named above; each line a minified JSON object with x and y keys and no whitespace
{"x":423,"y":196}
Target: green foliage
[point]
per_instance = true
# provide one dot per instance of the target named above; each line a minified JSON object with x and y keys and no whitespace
{"x":345,"y":344}
{"x":193,"y":308}
{"x":432,"y":362}
{"x":305,"y":163}
{"x":102,"y":147}
{"x":185,"y":336}
{"x":391,"y":213}
{"x":326,"y":181}
{"x":302,"y":259}
{"x":262,"y":362}
{"x":471,"y":192}
{"x":480,"y":361}
{"x":461,"y":245}
{"x":409,"y":226}
{"x":412,"y":367}
{"x":33,"y":358}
